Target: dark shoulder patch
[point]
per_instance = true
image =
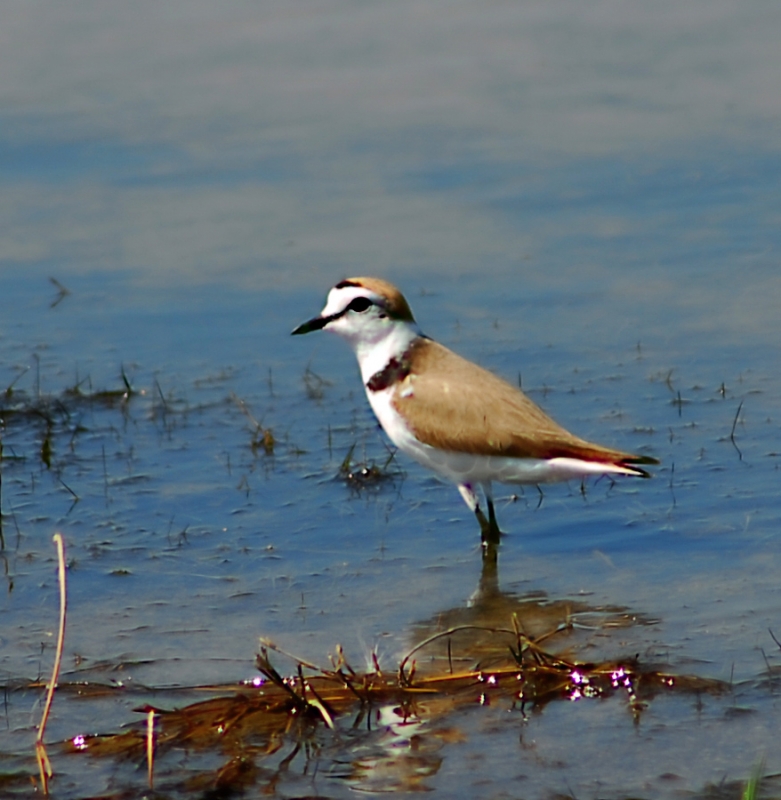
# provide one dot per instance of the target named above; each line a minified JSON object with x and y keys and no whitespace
{"x":393,"y":372}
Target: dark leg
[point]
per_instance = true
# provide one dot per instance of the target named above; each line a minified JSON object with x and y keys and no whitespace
{"x":489,"y":539}
{"x":489,"y":528}
{"x":492,"y":523}
{"x":491,"y":534}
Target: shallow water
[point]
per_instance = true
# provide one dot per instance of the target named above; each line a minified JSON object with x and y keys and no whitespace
{"x":585,"y":200}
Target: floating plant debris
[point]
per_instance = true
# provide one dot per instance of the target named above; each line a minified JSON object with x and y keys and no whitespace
{"x":360,"y":475}
{"x":258,"y":728}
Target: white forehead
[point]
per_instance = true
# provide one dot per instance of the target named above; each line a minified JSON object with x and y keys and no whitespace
{"x":340,"y":297}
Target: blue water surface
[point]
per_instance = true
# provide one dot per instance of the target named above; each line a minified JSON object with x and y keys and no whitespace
{"x":583,"y":200}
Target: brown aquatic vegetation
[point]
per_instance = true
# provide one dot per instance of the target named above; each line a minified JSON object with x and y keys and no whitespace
{"x":359,"y":475}
{"x":262,"y":438}
{"x":259,"y":728}
{"x":55,"y":414}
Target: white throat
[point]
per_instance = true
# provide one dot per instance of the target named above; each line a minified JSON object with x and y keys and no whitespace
{"x":374,"y":353}
{"x":375,"y":334}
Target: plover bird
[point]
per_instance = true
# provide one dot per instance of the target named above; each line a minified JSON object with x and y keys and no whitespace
{"x":451,"y":415}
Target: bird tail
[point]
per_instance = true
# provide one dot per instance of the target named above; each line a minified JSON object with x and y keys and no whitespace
{"x":631,"y":463}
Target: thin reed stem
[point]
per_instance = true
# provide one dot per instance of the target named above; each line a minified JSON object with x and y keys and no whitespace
{"x":60,"y":639}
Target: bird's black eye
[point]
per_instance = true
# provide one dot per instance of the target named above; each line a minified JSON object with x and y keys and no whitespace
{"x":360,"y":304}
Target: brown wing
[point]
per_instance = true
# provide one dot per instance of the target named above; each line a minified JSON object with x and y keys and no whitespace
{"x":455,"y":405}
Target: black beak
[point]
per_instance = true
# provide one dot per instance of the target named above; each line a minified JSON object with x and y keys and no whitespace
{"x":313,"y":325}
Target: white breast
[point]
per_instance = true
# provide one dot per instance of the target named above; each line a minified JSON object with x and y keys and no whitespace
{"x":395,"y":425}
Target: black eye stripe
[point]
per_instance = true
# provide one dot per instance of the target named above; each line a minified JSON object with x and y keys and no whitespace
{"x":359,"y":304}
